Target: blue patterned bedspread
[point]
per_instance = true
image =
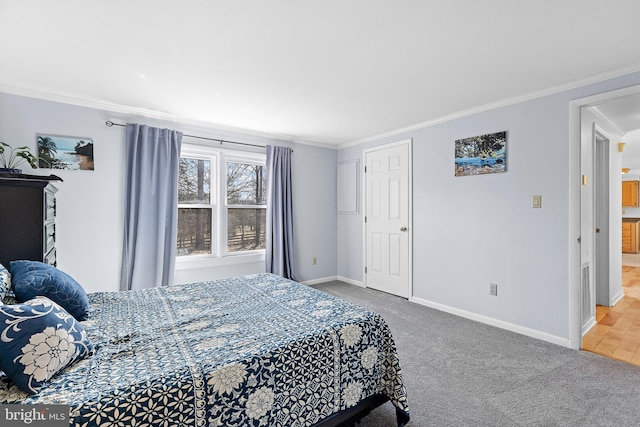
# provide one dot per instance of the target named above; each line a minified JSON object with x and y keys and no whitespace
{"x":255,"y":350}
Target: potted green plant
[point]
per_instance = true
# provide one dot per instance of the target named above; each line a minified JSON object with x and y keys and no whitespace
{"x":11,"y":158}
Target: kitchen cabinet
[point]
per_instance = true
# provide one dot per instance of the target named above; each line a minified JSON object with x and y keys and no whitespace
{"x":630,"y":194}
{"x":630,"y":237}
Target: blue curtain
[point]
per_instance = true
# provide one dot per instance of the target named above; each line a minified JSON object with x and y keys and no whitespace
{"x":279,"y":232}
{"x":151,"y":207}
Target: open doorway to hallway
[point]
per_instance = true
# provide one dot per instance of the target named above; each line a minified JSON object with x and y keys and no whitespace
{"x":616,"y":332}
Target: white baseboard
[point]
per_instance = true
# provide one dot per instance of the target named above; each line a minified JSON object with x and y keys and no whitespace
{"x":320,"y":280}
{"x":331,"y":279}
{"x":564,"y":342}
{"x":617,"y":297}
{"x":590,"y":324}
{"x":351,"y":281}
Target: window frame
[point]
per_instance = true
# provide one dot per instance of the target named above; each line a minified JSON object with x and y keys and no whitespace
{"x":220,"y":255}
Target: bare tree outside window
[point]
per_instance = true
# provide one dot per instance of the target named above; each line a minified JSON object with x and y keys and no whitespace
{"x":246,"y":206}
{"x":211,"y":200}
{"x":194,"y":207}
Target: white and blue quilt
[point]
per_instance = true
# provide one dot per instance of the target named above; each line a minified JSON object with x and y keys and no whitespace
{"x":256,"y":350}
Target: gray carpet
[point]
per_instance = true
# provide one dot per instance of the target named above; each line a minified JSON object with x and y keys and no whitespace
{"x":458,"y":372}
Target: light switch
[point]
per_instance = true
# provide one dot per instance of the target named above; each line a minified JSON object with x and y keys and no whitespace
{"x":536,"y":201}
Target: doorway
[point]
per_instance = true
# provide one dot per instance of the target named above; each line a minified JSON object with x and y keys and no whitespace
{"x":599,"y":279}
{"x":388,"y":226}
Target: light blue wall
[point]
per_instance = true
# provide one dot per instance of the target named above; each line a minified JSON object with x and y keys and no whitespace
{"x":468,"y":231}
{"x":475,"y":230}
{"x":314,"y":215}
{"x":90,"y":203}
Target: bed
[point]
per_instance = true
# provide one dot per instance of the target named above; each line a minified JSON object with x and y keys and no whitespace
{"x":256,"y":350}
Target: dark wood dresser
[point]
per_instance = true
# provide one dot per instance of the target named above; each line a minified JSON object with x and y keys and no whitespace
{"x":27,"y":220}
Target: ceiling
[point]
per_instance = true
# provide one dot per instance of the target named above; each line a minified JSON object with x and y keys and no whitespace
{"x":623,"y":112}
{"x":330,"y":72}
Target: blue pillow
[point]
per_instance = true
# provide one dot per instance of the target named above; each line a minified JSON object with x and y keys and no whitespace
{"x":5,"y":282}
{"x":32,"y":278}
{"x":38,"y":339}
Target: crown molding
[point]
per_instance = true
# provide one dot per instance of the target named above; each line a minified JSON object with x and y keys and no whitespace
{"x":128,"y":110}
{"x":124,"y":109}
{"x":499,"y":104}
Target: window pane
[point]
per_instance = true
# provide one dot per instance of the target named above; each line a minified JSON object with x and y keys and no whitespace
{"x":194,"y":181}
{"x":245,"y":184}
{"x":246,"y":229}
{"x":194,"y":231}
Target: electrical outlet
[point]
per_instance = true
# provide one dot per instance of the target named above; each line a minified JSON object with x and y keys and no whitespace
{"x":314,"y":261}
{"x":493,"y":289}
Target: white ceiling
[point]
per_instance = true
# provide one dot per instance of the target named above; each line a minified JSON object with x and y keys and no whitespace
{"x":326,"y":71}
{"x":623,"y":112}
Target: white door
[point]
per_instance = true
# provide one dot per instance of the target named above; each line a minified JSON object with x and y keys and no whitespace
{"x":601,"y":211}
{"x":387,"y":218}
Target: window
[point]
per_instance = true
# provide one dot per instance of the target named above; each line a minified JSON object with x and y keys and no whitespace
{"x":221,"y":204}
{"x":246,"y":206}
{"x":196,"y":206}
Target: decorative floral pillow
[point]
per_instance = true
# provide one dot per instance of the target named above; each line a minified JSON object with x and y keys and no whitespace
{"x":39,"y":338}
{"x":33,"y":278}
{"x":5,"y":282}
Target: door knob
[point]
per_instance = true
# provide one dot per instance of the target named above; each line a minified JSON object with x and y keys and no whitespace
{"x":597,"y":229}
{"x":403,"y":228}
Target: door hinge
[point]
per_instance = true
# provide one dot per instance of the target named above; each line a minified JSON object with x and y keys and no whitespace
{"x":365,"y":169}
{"x":365,"y":270}
{"x":365,"y":219}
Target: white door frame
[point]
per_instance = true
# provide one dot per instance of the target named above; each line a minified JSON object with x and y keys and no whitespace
{"x":575,"y":185}
{"x":409,"y":143}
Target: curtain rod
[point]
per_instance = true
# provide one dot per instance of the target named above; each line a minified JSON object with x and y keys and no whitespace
{"x":110,"y":123}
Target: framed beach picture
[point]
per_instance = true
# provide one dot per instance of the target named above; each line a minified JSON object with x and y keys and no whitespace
{"x":481,"y":154}
{"x":65,"y":152}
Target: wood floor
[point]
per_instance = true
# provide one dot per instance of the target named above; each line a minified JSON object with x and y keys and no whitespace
{"x":617,"y":333}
